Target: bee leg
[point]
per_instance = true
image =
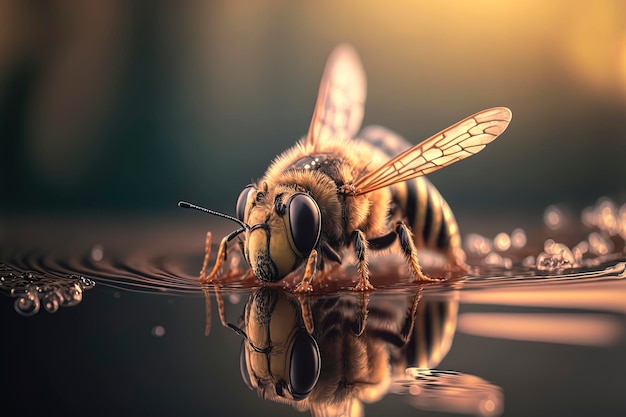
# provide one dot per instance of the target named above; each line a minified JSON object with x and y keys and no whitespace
{"x":360,"y":248}
{"x":221,"y":309}
{"x":207,"y":254}
{"x":307,"y":316}
{"x":361,"y":320}
{"x":222,"y":256}
{"x":409,"y":324}
{"x":208,"y":310}
{"x":309,"y":273}
{"x":405,"y":237}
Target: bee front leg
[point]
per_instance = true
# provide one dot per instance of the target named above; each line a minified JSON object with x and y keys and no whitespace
{"x":221,"y":309}
{"x":207,"y":254}
{"x":307,"y":316}
{"x":361,"y":248}
{"x":309,"y":273}
{"x":222,"y":256}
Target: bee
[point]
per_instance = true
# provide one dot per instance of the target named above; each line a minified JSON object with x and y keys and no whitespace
{"x":338,"y":190}
{"x":335,"y":365}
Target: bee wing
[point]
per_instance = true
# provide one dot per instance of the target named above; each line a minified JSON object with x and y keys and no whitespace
{"x":463,"y":139}
{"x":341,"y":97}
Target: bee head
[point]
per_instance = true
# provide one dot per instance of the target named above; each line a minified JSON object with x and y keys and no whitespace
{"x":284,"y":226}
{"x":279,"y":358}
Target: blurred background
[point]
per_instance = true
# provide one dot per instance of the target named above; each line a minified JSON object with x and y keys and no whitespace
{"x":129,"y":106}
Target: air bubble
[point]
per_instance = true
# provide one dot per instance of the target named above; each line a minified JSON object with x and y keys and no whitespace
{"x":51,"y":302}
{"x":518,"y":238}
{"x":599,"y":245}
{"x":495,"y":259}
{"x":158,"y":331}
{"x":553,"y":217}
{"x":529,"y":261}
{"x":27,"y":304}
{"x":556,"y":256}
{"x":579,"y":251}
{"x":608,"y":217}
{"x":97,"y":253}
{"x":477,"y":244}
{"x":502,"y":242}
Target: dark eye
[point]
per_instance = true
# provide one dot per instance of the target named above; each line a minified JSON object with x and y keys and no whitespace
{"x":304,"y":365}
{"x":242,"y":202}
{"x":305,"y":222}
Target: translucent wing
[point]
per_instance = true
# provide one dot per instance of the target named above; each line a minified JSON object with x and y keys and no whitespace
{"x":465,"y":138}
{"x":341,"y":97}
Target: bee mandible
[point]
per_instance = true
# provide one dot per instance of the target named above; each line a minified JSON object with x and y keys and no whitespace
{"x":338,"y":190}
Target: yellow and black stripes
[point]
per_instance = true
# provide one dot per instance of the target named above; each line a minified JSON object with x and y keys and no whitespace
{"x":428,"y":215}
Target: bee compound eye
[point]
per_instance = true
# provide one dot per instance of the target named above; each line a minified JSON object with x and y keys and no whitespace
{"x":305,"y":222}
{"x":242,"y":202}
{"x":304,"y":365}
{"x":243,"y":366}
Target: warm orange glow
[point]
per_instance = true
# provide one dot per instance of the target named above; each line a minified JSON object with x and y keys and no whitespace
{"x":587,"y":330}
{"x":606,"y":297}
{"x":592,"y":47}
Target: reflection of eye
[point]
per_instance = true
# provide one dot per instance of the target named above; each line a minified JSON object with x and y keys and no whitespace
{"x":243,"y":366}
{"x":242,"y":202}
{"x":304,"y":365}
{"x":304,"y":222}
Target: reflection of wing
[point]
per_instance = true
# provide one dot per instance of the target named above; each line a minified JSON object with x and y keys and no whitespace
{"x":341,"y":97}
{"x":465,"y":138}
{"x":450,"y":392}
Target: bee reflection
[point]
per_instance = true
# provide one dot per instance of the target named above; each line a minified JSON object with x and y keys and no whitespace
{"x":331,"y":354}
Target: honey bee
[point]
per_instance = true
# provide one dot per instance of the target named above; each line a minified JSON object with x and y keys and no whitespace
{"x":337,"y":189}
{"x":336,"y":365}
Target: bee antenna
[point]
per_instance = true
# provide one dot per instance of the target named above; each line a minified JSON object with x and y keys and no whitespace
{"x":185,"y":204}
{"x":243,"y":334}
{"x":237,"y":330}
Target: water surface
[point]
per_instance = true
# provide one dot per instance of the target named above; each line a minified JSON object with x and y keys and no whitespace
{"x":106,"y":316}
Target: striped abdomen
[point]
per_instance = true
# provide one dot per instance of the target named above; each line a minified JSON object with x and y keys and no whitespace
{"x":417,"y":201}
{"x":429,"y":216}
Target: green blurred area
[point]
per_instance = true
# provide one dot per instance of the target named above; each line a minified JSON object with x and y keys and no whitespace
{"x":131,"y":106}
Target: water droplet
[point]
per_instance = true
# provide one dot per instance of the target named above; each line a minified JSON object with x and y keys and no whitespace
{"x":27,"y":304}
{"x":50,"y":302}
{"x":579,"y":251}
{"x":477,"y":244}
{"x":529,"y":261}
{"x":494,"y":259}
{"x":553,"y":217}
{"x":502,"y":242}
{"x":158,"y":331}
{"x":599,"y":245}
{"x":518,"y":238}
{"x":73,"y":295}
{"x":97,"y":252}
